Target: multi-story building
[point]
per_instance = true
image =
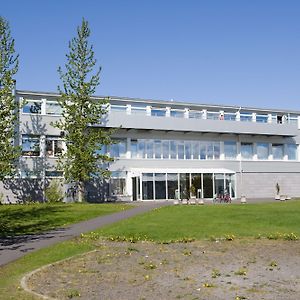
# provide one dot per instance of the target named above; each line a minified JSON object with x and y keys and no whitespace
{"x":167,"y":149}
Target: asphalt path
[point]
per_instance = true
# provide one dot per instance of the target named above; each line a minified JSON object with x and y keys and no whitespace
{"x":12,"y":248}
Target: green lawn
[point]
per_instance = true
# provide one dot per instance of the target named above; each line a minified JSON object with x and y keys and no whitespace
{"x":202,"y":222}
{"x":166,"y":223}
{"x":35,"y":218}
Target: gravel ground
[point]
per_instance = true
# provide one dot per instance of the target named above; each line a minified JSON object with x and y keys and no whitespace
{"x":239,"y":269}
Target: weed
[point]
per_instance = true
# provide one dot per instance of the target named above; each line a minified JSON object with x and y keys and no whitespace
{"x":241,"y":272}
{"x":215,"y":273}
{"x":73,"y":293}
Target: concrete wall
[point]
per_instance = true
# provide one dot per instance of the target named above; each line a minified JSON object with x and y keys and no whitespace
{"x":263,"y":185}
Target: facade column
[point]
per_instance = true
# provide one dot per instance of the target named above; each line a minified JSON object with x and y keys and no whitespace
{"x":254,"y":151}
{"x":238,"y":116}
{"x":222,"y":153}
{"x":253,"y":117}
{"x":168,"y":111}
{"x":148,"y":110}
{"x":128,"y":109}
{"x":186,"y":113}
{"x":128,"y":148}
{"x":43,"y":106}
{"x":204,"y":114}
{"x":285,"y":152}
{"x":270,"y":118}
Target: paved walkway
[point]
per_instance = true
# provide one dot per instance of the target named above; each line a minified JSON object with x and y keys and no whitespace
{"x":14,"y":248}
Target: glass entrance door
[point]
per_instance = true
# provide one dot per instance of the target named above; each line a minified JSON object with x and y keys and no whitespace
{"x":208,"y":188}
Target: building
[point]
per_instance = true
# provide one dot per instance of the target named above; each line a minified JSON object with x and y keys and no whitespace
{"x":166,"y":150}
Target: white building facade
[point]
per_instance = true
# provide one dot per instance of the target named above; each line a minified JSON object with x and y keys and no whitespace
{"x":167,"y":150}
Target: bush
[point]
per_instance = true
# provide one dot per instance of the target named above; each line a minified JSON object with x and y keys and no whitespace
{"x":53,"y":192}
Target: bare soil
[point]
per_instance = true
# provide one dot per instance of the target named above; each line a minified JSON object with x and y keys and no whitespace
{"x":239,"y":269}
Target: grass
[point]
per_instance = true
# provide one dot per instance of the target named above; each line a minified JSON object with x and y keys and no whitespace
{"x":166,"y":223}
{"x":204,"y":222}
{"x":36,"y":218}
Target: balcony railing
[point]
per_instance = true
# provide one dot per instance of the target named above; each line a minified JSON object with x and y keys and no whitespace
{"x":271,"y":118}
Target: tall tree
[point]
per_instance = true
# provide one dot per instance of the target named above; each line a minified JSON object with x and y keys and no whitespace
{"x":82,"y":162}
{"x":9,"y":151}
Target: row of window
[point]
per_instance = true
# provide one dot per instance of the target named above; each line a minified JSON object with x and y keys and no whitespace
{"x":53,"y":108}
{"x":169,"y":149}
{"x":203,"y":150}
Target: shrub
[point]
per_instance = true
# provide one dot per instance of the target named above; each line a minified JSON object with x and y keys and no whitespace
{"x":53,"y":192}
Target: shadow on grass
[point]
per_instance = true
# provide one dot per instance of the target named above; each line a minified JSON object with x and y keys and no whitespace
{"x":31,"y":219}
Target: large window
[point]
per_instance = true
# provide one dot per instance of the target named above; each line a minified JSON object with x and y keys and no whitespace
{"x":277,"y":150}
{"x":158,"y":112}
{"x":165,"y":149}
{"x":262,"y":150}
{"x":134,"y":148}
{"x":32,"y":107}
{"x":172,"y":181}
{"x":230,"y":150}
{"x":157,"y":149}
{"x":54,"y":146}
{"x":247,"y":150}
{"x":149,"y":149}
{"x":118,"y":149}
{"x":53,"y":108}
{"x":147,"y":186}
{"x":292,"y":151}
{"x":118,"y":183}
{"x":30,"y":145}
{"x":160,"y":185}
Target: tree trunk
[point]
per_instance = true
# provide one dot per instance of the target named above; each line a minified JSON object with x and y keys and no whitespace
{"x":80,"y":191}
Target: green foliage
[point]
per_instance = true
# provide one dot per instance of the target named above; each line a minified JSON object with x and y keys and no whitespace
{"x":53,"y":192}
{"x":81,"y":112}
{"x":9,"y":152}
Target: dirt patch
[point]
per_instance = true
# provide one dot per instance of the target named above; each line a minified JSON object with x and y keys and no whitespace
{"x":239,"y":269}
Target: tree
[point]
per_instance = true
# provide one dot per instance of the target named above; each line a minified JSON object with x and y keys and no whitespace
{"x":9,"y":151}
{"x":82,"y":162}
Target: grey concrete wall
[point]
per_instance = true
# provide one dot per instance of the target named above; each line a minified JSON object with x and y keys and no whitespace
{"x":117,"y":119}
{"x":263,"y":185}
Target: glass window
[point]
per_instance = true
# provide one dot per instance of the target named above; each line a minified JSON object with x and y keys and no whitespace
{"x":217,"y":150}
{"x":202,"y":150}
{"x":160,"y":185}
{"x":53,"y":173}
{"x":230,"y":150}
{"x":54,"y":147}
{"x":32,"y":107}
{"x":184,"y":185}
{"x":156,"y":112}
{"x":118,"y":149}
{"x":172,"y":186}
{"x":247,"y":150}
{"x":230,"y":185}
{"x":195,"y":150}
{"x":141,"y":149}
{"x":147,"y":186}
{"x":119,"y":108}
{"x":212,"y":115}
{"x":102,"y":150}
{"x":149,"y":149}
{"x":229,"y":116}
{"x":134,"y":148}
{"x":292,"y":151}
{"x":177,"y":113}
{"x":277,"y":150}
{"x":30,"y":145}
{"x":210,"y":150}
{"x":165,"y":147}
{"x":219,"y":185}
{"x":246,"y":117}
{"x":261,"y":118}
{"x":118,"y":183}
{"x":173,"y":149}
{"x":180,"y":148}
{"x":193,"y":114}
{"x":53,"y":108}
{"x":196,"y":185}
{"x":157,"y":149}
{"x":188,"y":150}
{"x":208,"y":185}
{"x":262,"y":150}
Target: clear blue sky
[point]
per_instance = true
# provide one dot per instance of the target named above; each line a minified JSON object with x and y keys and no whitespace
{"x":228,"y":52}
